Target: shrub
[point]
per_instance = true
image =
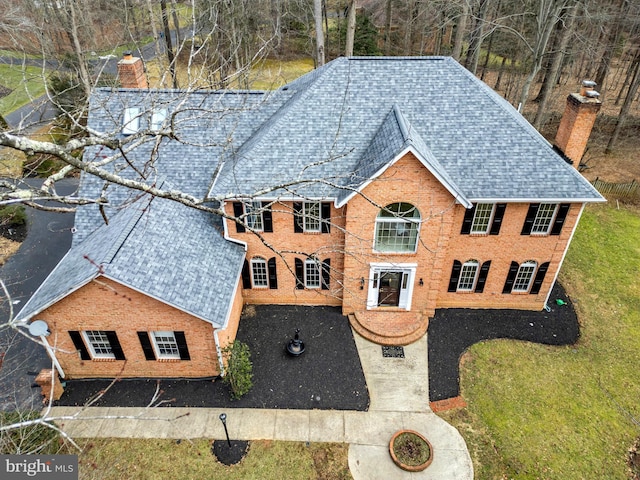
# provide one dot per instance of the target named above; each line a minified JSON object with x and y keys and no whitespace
{"x":239,"y":372}
{"x":13,"y":215}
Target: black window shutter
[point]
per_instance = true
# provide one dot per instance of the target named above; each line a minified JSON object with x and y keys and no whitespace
{"x":511,"y":277}
{"x":482,"y":276}
{"x":299,"y":274}
{"x":531,"y":216}
{"x":297,"y":217}
{"x":455,"y":276}
{"x":325,"y":209}
{"x":246,"y":275}
{"x":267,"y":219}
{"x":468,"y":221}
{"x":497,"y":218}
{"x":273,"y":276}
{"x":76,"y":338}
{"x":145,"y":342}
{"x":537,"y":282}
{"x":563,"y":209}
{"x":182,"y":346}
{"x":115,"y":345}
{"x":238,"y":210}
{"x":326,"y":274}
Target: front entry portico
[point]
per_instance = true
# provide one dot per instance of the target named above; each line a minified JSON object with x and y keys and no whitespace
{"x":391,"y":285}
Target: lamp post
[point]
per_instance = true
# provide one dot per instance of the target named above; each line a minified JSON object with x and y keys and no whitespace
{"x":223,"y":419}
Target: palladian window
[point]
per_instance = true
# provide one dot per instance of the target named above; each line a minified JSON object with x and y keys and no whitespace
{"x":397,"y":228}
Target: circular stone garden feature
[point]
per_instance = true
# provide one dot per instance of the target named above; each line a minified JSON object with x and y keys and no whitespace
{"x":410,"y":450}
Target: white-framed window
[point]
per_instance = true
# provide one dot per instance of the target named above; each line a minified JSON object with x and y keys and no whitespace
{"x":311,"y":217}
{"x":131,"y":121}
{"x":259,"y":275}
{"x":157,"y":118}
{"x":397,"y":228}
{"x":524,"y":276}
{"x":482,"y":218}
{"x":312,"y":273}
{"x":165,"y":345}
{"x":254,"y":220}
{"x":98,"y":343}
{"x":468,"y":276}
{"x":544,"y":218}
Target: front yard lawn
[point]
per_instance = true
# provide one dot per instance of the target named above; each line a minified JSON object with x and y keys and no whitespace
{"x":25,"y":83}
{"x":572,"y":412}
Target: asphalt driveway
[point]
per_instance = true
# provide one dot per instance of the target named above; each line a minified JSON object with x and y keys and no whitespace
{"x":48,"y":239}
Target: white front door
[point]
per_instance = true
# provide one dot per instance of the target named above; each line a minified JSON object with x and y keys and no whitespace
{"x":390,"y":285}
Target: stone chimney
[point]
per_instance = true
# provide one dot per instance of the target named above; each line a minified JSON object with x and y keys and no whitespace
{"x":131,"y":72}
{"x":577,"y":121}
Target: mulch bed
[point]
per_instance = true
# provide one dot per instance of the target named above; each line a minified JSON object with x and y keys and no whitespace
{"x":12,"y":232}
{"x":453,"y":331}
{"x":327,"y":376}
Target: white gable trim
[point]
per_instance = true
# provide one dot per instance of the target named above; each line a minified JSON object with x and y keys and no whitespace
{"x":451,"y":188}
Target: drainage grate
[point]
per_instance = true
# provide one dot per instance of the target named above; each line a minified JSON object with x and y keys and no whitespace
{"x":393,"y":352}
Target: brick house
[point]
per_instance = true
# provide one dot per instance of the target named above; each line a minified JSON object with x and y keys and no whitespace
{"x":388,"y":187}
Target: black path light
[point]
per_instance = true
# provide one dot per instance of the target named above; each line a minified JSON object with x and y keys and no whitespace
{"x":223,"y":419}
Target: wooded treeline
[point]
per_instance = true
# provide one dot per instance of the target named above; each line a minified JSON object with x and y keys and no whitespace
{"x":522,"y":48}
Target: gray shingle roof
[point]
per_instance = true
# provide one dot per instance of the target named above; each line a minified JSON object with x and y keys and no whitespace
{"x":176,"y":255}
{"x":325,"y":128}
{"x":323,"y":135}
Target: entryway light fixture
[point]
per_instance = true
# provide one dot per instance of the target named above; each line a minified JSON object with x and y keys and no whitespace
{"x":361,"y":283}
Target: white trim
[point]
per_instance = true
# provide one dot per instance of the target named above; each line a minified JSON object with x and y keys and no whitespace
{"x":492,"y":215}
{"x":538,"y":200}
{"x":564,"y":254}
{"x":475,"y":276}
{"x":405,"y":300}
{"x":255,"y":260}
{"x":527,"y":264}
{"x":52,"y":355}
{"x":156,"y":349}
{"x":91,"y":348}
{"x":451,"y":188}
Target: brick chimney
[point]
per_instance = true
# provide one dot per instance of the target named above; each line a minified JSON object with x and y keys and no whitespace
{"x":577,"y":121}
{"x":131,"y":72}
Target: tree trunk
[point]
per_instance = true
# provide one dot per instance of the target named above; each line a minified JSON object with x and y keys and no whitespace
{"x":83,"y":71}
{"x":154,"y":29}
{"x":351,"y":29}
{"x":176,"y":23}
{"x":610,"y":47}
{"x":460,"y":30}
{"x":500,"y":72}
{"x":626,"y":106}
{"x":387,"y":30}
{"x":317,"y":13}
{"x":564,"y":28}
{"x":473,"y":55}
{"x":167,"y":39}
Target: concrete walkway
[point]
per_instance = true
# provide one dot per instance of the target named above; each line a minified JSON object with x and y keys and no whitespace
{"x":398,"y":388}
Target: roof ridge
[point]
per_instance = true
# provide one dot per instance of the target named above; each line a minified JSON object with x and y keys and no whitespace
{"x":124,"y":234}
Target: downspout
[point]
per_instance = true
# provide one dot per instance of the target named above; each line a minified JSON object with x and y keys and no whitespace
{"x":564,"y":254}
{"x":218,"y":352}
{"x":52,"y":355}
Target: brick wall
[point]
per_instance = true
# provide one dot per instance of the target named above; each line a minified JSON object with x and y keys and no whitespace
{"x":350,"y":247}
{"x":106,"y":305}
{"x":405,"y":181}
{"x":290,"y":245}
{"x":501,"y":250}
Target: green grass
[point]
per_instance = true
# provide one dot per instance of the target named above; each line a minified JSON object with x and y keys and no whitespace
{"x":115,"y":459}
{"x":565,"y":412}
{"x":26,"y":82}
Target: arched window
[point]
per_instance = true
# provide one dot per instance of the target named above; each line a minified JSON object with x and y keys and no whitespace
{"x":524,"y":276}
{"x":397,"y":228}
{"x":259,"y":277}
{"x":468,"y":275}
